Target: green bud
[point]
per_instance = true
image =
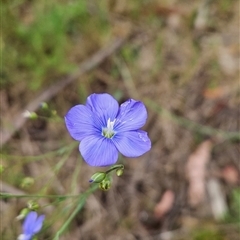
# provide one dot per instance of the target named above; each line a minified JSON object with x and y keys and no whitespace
{"x":98,"y":177}
{"x":33,"y":115}
{"x":27,"y":182}
{"x":30,"y":115}
{"x":32,"y":205}
{"x":54,"y":113}
{"x":105,"y":184}
{"x":44,"y":105}
{"x":119,"y":172}
{"x":23,"y":214}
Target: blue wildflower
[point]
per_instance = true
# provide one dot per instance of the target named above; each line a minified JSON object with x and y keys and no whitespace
{"x":32,"y":225}
{"x":104,"y":128}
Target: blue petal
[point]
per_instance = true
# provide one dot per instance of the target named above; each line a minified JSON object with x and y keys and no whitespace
{"x":132,"y":116}
{"x":98,"y":151}
{"x":81,"y":122}
{"x":132,"y":143}
{"x":38,"y":224}
{"x":104,"y":105}
{"x":29,"y":221}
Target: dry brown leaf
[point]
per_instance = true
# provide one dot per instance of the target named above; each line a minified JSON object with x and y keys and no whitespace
{"x":166,"y":11}
{"x":216,"y":93}
{"x":230,"y":174}
{"x":165,"y":204}
{"x":196,"y":172}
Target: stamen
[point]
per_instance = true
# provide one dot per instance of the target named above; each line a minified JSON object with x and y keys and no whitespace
{"x":108,"y":131}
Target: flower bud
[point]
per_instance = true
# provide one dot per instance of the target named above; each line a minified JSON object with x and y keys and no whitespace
{"x":44,"y":105}
{"x":119,"y":172}
{"x":27,"y":182}
{"x":54,"y":113}
{"x":23,"y":214}
{"x":98,"y":177}
{"x":32,"y":205}
{"x":30,"y":115}
{"x":105,"y":185}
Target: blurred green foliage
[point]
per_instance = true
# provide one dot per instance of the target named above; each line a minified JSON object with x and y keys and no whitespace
{"x":206,"y":234}
{"x":233,"y":216}
{"x":39,"y":37}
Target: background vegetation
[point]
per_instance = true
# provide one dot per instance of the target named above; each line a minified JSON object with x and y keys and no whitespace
{"x":181,"y":58}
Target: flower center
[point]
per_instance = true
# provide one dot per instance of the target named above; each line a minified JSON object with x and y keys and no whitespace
{"x":108,"y":131}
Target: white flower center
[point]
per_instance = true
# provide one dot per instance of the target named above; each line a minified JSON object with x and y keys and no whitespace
{"x":108,"y":131}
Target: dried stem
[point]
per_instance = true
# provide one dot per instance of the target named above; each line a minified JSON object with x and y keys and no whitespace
{"x":87,"y":65}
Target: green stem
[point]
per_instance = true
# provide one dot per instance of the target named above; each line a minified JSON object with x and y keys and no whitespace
{"x":190,"y":124}
{"x":115,"y":167}
{"x":81,"y":203}
{"x":9,"y":195}
{"x":59,"y":151}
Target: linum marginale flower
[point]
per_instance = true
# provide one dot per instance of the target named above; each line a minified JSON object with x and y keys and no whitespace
{"x":104,"y":128}
{"x":32,"y":225}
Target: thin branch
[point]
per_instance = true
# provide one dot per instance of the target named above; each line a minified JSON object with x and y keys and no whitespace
{"x":11,"y":190}
{"x":197,"y":127}
{"x":87,"y":65}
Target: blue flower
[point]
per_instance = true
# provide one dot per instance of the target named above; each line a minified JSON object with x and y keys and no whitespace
{"x":103,"y":128}
{"x":32,"y":225}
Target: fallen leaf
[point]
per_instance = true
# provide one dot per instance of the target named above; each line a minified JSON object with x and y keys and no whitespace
{"x":230,"y":174}
{"x":217,"y":199}
{"x":196,"y":172}
{"x":165,"y":204}
{"x":216,"y":93}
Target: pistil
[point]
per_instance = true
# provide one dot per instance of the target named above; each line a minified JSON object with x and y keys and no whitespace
{"x":108,"y":131}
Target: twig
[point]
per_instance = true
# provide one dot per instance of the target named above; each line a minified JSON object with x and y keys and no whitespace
{"x":197,"y":127}
{"x":6,"y":195}
{"x":127,"y":78}
{"x":11,"y":190}
{"x":87,"y":65}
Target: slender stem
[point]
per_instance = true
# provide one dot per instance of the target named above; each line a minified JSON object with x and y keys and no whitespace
{"x":59,"y":151}
{"x":115,"y":167}
{"x":81,"y":203}
{"x":9,"y":195}
{"x":197,"y":127}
